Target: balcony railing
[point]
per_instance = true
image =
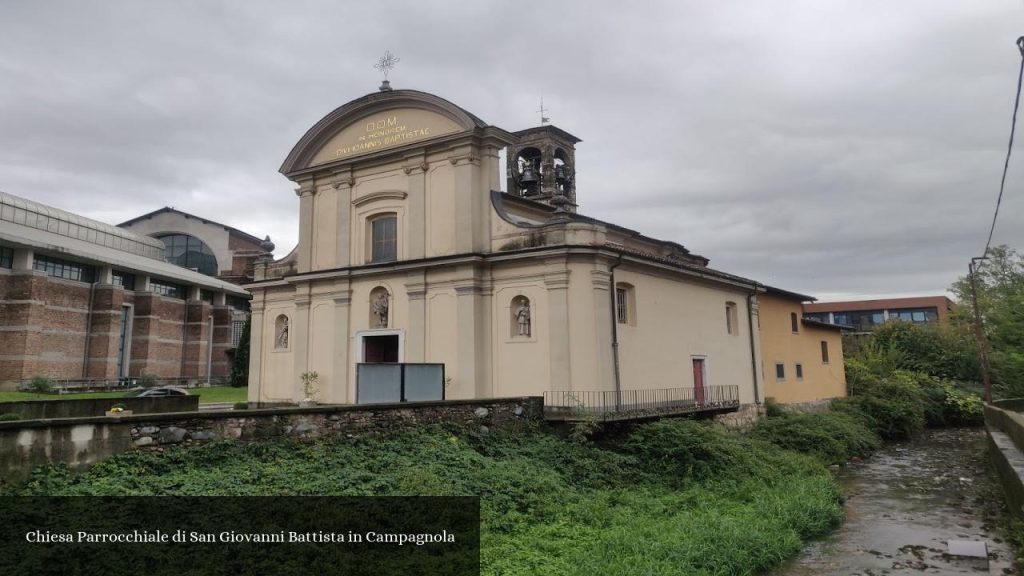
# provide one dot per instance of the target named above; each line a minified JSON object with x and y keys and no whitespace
{"x":635,"y":404}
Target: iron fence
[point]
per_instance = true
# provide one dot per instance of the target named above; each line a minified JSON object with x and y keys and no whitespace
{"x":571,"y":404}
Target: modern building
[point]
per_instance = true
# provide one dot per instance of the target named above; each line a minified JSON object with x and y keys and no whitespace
{"x":84,"y":300}
{"x":409,"y":255}
{"x":802,"y":358}
{"x":202,"y":245}
{"x":863,"y":315}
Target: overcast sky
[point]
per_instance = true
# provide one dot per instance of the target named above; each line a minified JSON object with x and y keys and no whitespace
{"x":841,"y":149}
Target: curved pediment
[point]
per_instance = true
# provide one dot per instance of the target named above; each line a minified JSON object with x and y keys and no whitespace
{"x":376,"y":122}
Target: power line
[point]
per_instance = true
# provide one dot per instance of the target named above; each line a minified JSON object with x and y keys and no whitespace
{"x":1009,"y":150}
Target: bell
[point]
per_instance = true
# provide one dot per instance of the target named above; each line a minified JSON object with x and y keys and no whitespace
{"x":529,"y":175}
{"x":560,"y":174}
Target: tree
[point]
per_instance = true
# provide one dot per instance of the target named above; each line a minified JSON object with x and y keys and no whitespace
{"x":240,"y":361}
{"x":1000,"y":283}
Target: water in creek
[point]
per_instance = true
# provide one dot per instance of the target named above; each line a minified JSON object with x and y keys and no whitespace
{"x":905,"y":503}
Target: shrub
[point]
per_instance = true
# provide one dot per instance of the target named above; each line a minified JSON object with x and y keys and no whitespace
{"x":835,"y":437}
{"x":9,"y":417}
{"x":241,"y":406}
{"x":146,"y":380}
{"x":894,"y":408}
{"x":40,"y":385}
{"x":772,"y":408}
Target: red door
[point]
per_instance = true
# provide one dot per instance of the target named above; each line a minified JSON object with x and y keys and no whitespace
{"x":698,"y":380}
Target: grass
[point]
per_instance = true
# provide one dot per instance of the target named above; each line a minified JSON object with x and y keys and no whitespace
{"x":674,"y":497}
{"x":206,"y":395}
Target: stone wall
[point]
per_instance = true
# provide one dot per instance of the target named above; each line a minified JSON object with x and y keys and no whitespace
{"x":80,"y":442}
{"x":812,"y":407}
{"x":744,"y":418}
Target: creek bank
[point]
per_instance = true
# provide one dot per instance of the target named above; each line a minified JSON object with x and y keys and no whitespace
{"x":905,"y":503}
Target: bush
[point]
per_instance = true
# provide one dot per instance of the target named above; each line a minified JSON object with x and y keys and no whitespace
{"x":241,"y":406}
{"x":9,"y":417}
{"x":40,"y":385}
{"x":835,"y":437}
{"x":773,"y":408}
{"x":894,"y":408}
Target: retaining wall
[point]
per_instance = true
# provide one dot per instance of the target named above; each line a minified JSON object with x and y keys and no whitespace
{"x":84,"y":407}
{"x":80,"y":442}
{"x":1005,"y":428}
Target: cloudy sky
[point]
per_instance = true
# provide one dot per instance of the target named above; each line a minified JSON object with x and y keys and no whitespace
{"x":833,"y":148}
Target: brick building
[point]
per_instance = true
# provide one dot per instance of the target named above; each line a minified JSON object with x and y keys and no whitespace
{"x":863,"y":315}
{"x":202,"y":245}
{"x":84,"y":300}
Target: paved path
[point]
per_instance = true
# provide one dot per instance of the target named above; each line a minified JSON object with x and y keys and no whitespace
{"x":905,"y":503}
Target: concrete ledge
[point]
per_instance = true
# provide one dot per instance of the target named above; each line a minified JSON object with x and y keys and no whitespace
{"x":1005,"y":429}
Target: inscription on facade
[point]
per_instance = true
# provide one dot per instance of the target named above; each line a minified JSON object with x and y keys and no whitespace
{"x":383,"y":133}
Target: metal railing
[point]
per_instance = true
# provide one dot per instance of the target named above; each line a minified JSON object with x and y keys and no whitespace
{"x":579,"y":404}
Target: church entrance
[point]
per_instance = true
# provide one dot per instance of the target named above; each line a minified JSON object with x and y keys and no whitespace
{"x":380,"y":348}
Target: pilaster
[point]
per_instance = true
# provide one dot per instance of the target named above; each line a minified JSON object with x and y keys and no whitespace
{"x":416,"y":331}
{"x":304,"y":251}
{"x":343,"y":182}
{"x":341,"y":391}
{"x":416,"y":216}
{"x":556,"y":280}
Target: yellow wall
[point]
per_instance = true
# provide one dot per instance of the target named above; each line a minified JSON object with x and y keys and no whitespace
{"x":780,"y":344}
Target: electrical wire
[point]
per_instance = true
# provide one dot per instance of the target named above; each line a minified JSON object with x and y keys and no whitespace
{"x":1009,"y":150}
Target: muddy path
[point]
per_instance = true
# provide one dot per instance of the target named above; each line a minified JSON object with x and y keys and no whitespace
{"x":905,"y":503}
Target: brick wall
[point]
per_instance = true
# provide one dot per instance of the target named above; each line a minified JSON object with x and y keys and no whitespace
{"x":69,"y":330}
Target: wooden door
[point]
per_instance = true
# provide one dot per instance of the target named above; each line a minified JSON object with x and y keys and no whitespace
{"x":698,"y":380}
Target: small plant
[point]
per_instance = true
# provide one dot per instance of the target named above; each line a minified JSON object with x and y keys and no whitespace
{"x":146,"y":380}
{"x":309,"y":382}
{"x":241,"y":406}
{"x":40,"y":385}
{"x":117,"y":408}
{"x":9,"y":417}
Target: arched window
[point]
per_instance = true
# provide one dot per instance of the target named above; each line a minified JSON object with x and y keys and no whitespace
{"x":189,"y":252}
{"x":281,"y":329}
{"x":521,"y":317}
{"x":383,"y":238}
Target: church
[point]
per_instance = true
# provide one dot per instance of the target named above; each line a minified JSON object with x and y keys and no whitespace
{"x":417,"y":277}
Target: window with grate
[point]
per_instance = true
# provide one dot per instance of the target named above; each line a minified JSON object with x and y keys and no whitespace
{"x":384,"y":238}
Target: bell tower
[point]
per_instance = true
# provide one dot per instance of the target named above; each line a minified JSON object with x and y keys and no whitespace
{"x":542,"y":166}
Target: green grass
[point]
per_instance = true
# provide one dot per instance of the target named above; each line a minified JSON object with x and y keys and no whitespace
{"x":673,"y":498}
{"x":206,"y":395}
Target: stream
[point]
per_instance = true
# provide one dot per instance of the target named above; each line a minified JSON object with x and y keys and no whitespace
{"x":905,"y":503}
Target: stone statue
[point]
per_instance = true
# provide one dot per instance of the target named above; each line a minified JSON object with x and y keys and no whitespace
{"x":282,"y":336}
{"x":522,"y":314}
{"x":380,"y":309}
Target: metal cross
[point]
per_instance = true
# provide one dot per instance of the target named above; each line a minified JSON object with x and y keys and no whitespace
{"x":543,"y":119}
{"x":386,"y":63}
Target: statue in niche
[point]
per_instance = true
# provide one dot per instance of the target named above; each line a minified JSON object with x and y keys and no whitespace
{"x":522,"y":316}
{"x":380,"y":309}
{"x":282,"y":332}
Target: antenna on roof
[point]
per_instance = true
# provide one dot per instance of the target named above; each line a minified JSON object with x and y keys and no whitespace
{"x":543,"y":119}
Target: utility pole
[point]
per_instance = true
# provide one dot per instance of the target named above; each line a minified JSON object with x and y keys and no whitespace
{"x":979,"y":334}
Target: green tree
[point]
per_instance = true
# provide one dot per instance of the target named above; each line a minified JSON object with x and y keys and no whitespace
{"x":1000,"y":283}
{"x":240,"y":361}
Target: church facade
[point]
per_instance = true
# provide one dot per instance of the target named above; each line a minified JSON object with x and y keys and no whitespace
{"x":410,"y":253}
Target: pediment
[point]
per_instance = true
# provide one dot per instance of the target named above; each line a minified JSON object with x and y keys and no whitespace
{"x":375,"y":123}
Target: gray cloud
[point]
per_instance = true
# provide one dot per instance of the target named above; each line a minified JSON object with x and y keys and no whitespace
{"x":839,"y":149}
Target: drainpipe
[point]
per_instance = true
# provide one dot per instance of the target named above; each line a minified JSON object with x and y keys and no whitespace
{"x":753,"y":357}
{"x":615,"y":334}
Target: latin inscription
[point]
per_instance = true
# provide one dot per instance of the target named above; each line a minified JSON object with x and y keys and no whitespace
{"x":383,"y":133}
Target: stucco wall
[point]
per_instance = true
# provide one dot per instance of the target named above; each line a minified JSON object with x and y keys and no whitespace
{"x":780,"y":344}
{"x":677,"y":321}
